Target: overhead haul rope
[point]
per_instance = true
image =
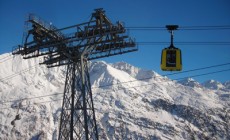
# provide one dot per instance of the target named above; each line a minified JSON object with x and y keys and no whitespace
{"x":218,"y":27}
{"x":117,"y":84}
{"x":146,"y":78}
{"x":121,"y":89}
{"x":184,"y":43}
{"x":18,"y":73}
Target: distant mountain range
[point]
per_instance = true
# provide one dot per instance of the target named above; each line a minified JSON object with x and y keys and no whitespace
{"x":130,"y":103}
{"x":210,"y":84}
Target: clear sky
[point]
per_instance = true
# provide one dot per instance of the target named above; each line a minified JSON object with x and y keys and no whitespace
{"x":140,"y":13}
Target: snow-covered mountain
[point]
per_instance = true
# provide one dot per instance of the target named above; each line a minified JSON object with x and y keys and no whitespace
{"x":212,"y":84}
{"x":135,"y":72}
{"x":190,"y":82}
{"x":128,"y":103}
{"x":227,"y":84}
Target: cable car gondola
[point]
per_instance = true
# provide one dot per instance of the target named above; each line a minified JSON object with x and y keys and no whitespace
{"x":171,"y":59}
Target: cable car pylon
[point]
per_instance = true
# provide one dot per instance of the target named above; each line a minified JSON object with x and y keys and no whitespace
{"x":171,"y":59}
{"x":95,"y":39}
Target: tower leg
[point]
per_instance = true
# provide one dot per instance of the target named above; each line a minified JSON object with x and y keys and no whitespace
{"x":78,"y":116}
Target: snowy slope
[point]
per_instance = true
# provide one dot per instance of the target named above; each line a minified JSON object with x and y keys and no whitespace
{"x":128,"y":103}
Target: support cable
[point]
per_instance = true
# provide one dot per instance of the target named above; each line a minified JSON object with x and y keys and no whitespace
{"x":215,"y":27}
{"x":146,"y":78}
{"x":208,"y":67}
{"x":199,"y":75}
{"x":184,"y":43}
{"x":18,"y":73}
{"x":192,"y":76}
{"x":6,"y":58}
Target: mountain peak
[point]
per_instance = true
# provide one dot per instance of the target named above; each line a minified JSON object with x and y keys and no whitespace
{"x":212,"y":84}
{"x":189,"y":82}
{"x":102,"y":74}
{"x":136,"y":72}
{"x":122,"y":64}
{"x":130,"y":69}
{"x":227,"y":84}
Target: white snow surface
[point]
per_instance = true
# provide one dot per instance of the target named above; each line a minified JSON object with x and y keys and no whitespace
{"x":130,"y":103}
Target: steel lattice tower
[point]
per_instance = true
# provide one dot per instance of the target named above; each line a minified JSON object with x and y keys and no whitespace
{"x":95,"y":39}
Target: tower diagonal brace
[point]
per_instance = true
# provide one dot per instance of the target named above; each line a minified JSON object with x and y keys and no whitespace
{"x":78,"y":116}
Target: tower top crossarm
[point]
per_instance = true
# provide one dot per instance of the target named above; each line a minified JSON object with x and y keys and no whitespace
{"x":94,"y":39}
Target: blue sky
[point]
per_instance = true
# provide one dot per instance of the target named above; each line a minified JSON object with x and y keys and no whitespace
{"x":141,"y":13}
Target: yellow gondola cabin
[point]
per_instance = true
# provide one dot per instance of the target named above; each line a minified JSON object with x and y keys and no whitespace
{"x":171,"y":59}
